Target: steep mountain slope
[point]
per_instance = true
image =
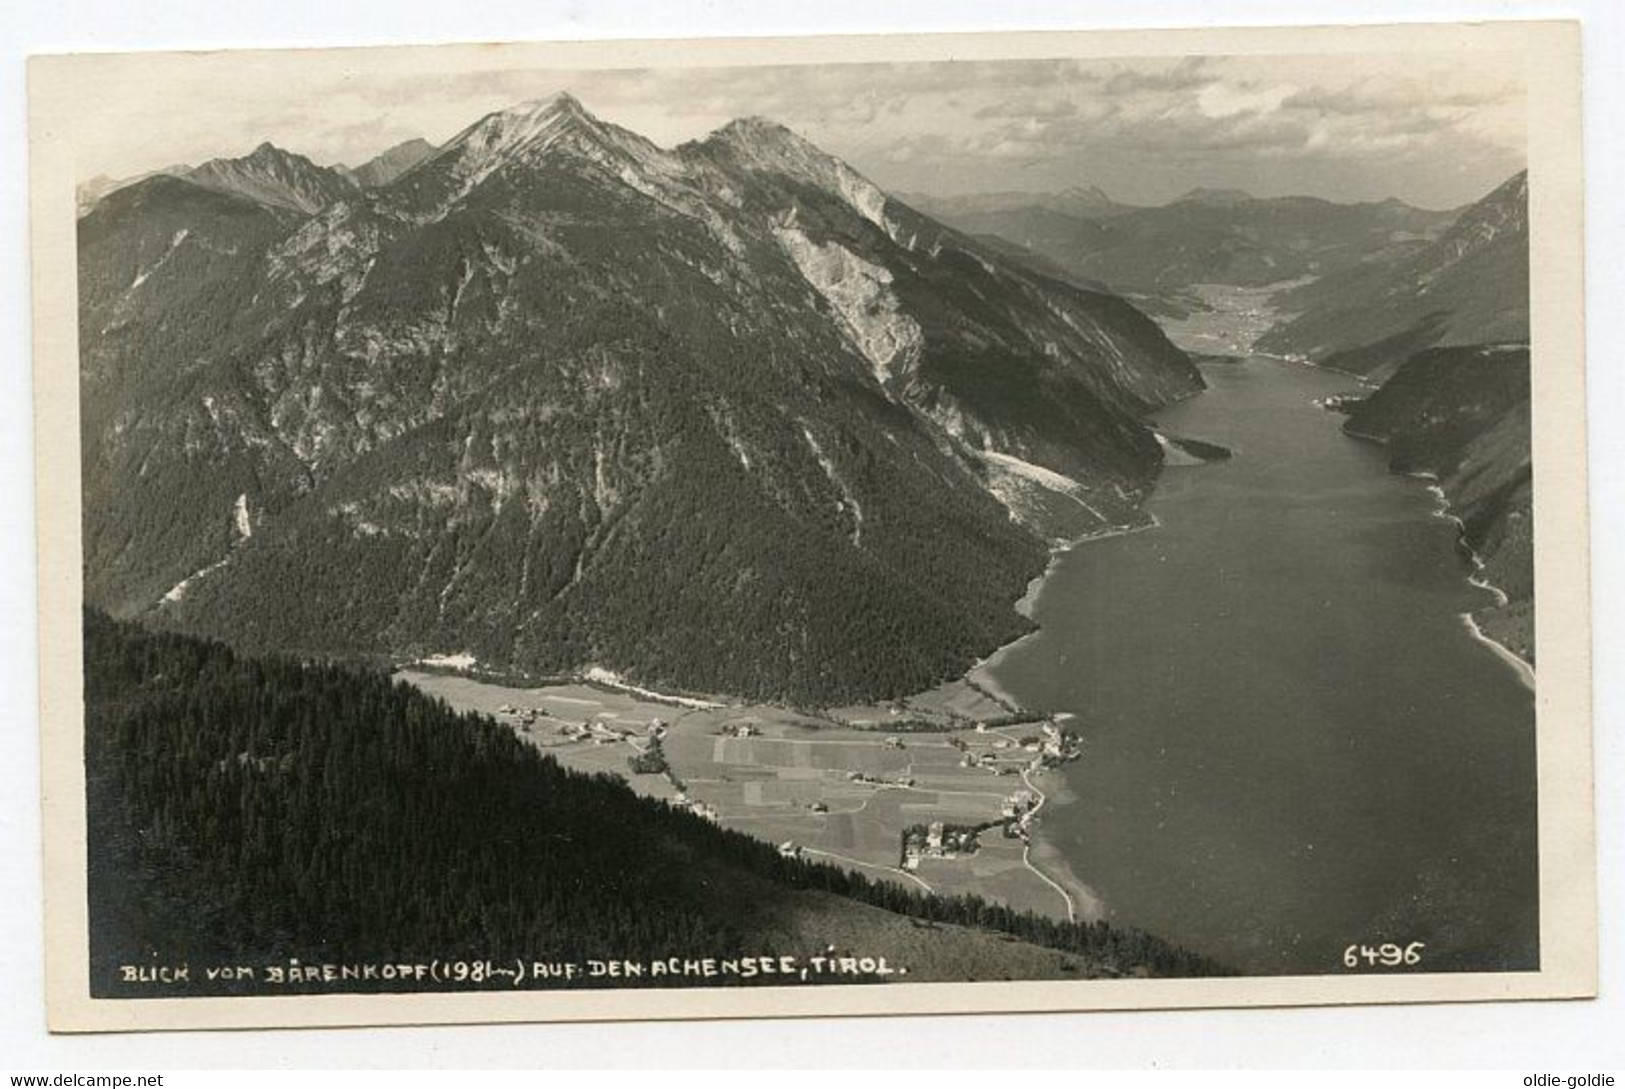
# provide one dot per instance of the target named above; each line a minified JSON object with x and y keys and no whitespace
{"x":723,"y":417}
{"x":1462,"y":416}
{"x":253,"y":811}
{"x":390,"y":164}
{"x":280,"y":179}
{"x":1470,"y":286}
{"x":1206,"y":236}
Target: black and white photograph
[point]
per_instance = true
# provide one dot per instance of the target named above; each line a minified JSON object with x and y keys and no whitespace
{"x":772,"y":529}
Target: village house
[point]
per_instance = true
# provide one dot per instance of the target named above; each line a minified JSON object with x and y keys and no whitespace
{"x":1017,"y":804}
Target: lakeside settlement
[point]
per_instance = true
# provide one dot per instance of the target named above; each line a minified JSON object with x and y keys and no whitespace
{"x":936,"y":792}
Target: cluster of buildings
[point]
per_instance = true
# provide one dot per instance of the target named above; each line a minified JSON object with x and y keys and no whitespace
{"x":525,"y":716}
{"x":695,"y":806}
{"x":937,"y":840}
{"x":599,"y":733}
{"x":1050,"y":746}
{"x":1017,"y":804}
{"x":877,"y":780}
{"x":596,"y":732}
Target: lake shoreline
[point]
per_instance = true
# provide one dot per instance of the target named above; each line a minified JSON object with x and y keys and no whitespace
{"x":1520,"y":666}
{"x":979,"y":673}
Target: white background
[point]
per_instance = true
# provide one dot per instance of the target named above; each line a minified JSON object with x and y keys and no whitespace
{"x":1527,"y":1037}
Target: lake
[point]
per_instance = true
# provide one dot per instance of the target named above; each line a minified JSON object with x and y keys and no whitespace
{"x":1294,"y":742}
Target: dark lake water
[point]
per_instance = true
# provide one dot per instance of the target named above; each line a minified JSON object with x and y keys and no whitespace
{"x":1295,"y":744}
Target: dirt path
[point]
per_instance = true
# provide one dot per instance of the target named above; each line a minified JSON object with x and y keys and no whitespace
{"x":870,"y":866}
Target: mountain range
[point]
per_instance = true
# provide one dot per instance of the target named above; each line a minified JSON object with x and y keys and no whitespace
{"x":721,"y":418}
{"x":1468,"y":286}
{"x":277,"y":178}
{"x":1205,"y":236}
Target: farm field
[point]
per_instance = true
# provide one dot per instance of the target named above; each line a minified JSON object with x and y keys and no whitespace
{"x":825,"y":784}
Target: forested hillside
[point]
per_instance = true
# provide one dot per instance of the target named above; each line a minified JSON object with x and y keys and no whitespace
{"x":1462,"y":415}
{"x":243,"y":810}
{"x":721,"y":418}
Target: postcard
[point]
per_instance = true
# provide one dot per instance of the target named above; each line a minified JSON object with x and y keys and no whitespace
{"x":689,"y":529}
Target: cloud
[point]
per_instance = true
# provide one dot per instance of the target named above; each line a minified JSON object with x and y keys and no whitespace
{"x":1149,"y":126}
{"x":1221,"y":100}
{"x":1186,"y":74}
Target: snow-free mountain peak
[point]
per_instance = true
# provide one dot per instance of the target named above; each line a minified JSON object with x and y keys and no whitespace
{"x":532,"y":132}
{"x":275,"y":177}
{"x":1087,"y":197}
{"x":507,"y":132}
{"x":763,"y":146}
{"x":391,"y":163}
{"x":1215,"y":198}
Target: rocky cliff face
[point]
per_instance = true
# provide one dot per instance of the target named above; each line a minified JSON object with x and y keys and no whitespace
{"x":723,"y":417}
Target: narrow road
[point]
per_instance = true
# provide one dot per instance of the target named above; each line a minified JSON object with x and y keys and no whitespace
{"x":870,"y":866}
{"x":1027,"y":852}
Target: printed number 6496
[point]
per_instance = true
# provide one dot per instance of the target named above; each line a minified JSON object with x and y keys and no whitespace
{"x":1387,"y":954}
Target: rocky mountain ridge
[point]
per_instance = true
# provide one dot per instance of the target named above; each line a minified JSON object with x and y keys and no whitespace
{"x":723,"y":417}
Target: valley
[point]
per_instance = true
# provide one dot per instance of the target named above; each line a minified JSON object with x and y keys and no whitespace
{"x":915,"y":560}
{"x":843,"y":786}
{"x":1201,"y":709}
{"x":1227,"y":668}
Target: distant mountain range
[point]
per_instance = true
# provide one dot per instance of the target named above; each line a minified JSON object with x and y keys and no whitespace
{"x":1206,"y":236}
{"x":722,"y":418}
{"x":1468,"y":286}
{"x":1084,"y":201}
{"x":277,"y":178}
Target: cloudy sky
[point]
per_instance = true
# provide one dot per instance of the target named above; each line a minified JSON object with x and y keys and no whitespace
{"x":1434,"y":129}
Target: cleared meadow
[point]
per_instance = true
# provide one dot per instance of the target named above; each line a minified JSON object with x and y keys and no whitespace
{"x":838,"y":790}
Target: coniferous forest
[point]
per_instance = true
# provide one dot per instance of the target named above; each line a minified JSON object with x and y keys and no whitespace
{"x":245,"y":810}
